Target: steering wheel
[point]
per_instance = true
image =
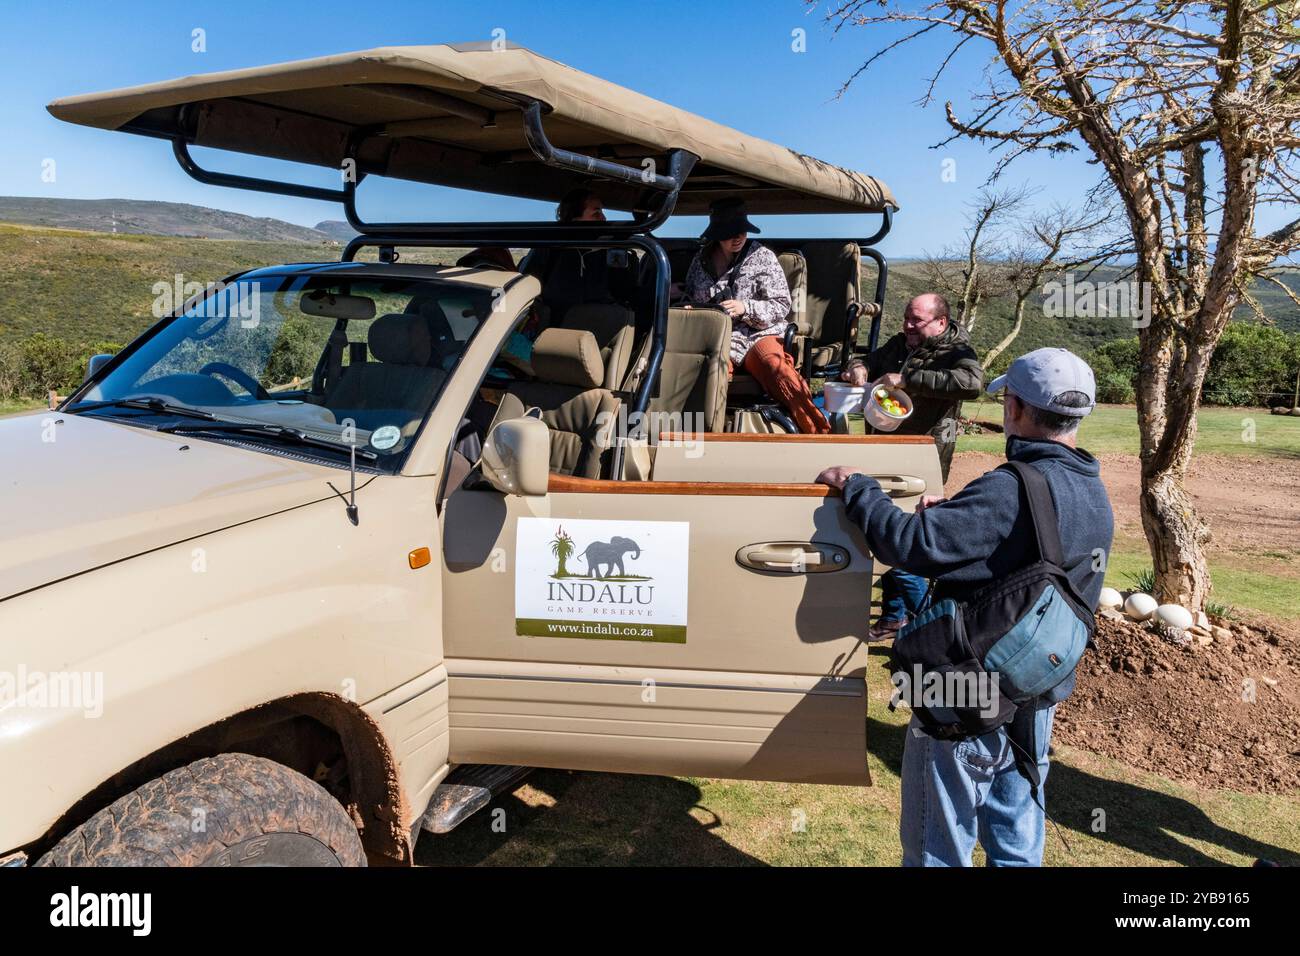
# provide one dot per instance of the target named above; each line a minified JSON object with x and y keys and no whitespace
{"x":239,"y":377}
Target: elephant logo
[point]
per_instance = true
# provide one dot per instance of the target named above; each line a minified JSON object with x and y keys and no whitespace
{"x":603,"y":557}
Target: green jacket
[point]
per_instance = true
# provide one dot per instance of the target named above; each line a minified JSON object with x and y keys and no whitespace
{"x":937,"y":375}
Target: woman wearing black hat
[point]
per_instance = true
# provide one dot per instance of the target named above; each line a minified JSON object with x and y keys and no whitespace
{"x":744,"y":280}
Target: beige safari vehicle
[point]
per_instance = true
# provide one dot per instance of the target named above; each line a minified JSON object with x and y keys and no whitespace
{"x":336,"y":551}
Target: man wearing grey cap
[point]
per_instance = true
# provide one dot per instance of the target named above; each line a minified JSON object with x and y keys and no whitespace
{"x":956,"y":793}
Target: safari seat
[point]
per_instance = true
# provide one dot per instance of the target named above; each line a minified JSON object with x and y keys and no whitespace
{"x":614,"y":327}
{"x":834,"y":273}
{"x":693,"y":376}
{"x":578,"y":410}
{"x":384,"y":392}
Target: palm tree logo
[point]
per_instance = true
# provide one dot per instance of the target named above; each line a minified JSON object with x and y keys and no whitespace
{"x":562,"y":547}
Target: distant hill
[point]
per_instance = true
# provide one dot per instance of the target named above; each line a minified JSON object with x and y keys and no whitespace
{"x":144,"y":217}
{"x":1275,"y":303}
{"x":88,"y":287}
{"x":336,"y":229}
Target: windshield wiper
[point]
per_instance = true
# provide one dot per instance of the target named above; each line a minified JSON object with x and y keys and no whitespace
{"x":269,"y":430}
{"x":148,"y":403}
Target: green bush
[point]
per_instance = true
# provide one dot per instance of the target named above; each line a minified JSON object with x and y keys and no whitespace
{"x":1115,"y":388}
{"x":40,"y":363}
{"x":295,"y":352}
{"x":44,"y":363}
{"x":1115,"y":364}
{"x":1252,"y":365}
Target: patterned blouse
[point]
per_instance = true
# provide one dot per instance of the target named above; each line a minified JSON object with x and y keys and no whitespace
{"x":758,"y":282}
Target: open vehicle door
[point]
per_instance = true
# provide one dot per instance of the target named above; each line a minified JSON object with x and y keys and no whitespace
{"x":706,"y":628}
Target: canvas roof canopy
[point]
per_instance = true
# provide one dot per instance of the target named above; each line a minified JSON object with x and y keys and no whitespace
{"x":454,"y":115}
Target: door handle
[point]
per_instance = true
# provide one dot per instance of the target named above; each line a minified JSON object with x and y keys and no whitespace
{"x":793,"y":557}
{"x":901,"y":486}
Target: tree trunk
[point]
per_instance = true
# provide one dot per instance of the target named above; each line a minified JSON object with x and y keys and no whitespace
{"x":1176,"y":535}
{"x":1177,"y":538}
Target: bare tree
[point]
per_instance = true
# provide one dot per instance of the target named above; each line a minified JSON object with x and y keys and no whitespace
{"x":969,"y":275}
{"x":1042,"y":250}
{"x":1192,"y":109}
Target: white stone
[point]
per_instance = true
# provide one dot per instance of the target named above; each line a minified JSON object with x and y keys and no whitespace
{"x":1139,"y":606}
{"x":1174,"y":615}
{"x":1110,"y":598}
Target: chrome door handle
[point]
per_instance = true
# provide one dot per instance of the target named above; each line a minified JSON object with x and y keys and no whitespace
{"x":793,"y":557}
{"x":901,"y":486}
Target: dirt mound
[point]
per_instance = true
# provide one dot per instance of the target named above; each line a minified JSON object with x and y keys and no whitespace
{"x":1224,"y":715}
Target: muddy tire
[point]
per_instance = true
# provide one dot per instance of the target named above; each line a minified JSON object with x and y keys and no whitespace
{"x":248,"y":811}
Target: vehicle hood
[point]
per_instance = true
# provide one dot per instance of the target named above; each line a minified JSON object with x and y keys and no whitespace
{"x":86,"y":492}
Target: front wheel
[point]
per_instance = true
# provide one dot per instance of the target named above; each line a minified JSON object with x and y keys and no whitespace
{"x":228,"y":810}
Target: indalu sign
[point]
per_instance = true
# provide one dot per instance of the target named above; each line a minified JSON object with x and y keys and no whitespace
{"x":602,"y":580}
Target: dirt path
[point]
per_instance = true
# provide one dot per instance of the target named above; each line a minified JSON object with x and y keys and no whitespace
{"x":1252,"y":504}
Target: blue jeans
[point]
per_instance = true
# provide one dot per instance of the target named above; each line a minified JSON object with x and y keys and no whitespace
{"x":957,"y":793}
{"x":901,"y":595}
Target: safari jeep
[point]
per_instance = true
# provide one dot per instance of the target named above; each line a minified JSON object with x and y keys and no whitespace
{"x":323,"y":559}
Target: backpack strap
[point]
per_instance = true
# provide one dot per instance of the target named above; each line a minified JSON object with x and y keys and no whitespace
{"x":1041,"y":510}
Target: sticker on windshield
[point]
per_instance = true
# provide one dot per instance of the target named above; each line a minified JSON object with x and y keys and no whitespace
{"x":385,"y":436}
{"x":602,"y":580}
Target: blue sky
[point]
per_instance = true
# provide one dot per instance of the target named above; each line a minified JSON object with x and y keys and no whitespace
{"x":731,"y":62}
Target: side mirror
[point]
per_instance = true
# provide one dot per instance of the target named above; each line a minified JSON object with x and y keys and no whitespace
{"x":96,"y":363}
{"x":517,"y":456}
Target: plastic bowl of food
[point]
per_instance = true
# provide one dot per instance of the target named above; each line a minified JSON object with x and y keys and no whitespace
{"x":841,"y":398}
{"x":886,"y":408}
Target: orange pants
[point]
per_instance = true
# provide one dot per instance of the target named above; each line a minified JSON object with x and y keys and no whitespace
{"x":769,"y":363}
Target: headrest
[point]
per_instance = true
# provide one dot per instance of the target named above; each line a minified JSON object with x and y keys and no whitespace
{"x":401,"y":339}
{"x":568,"y":357}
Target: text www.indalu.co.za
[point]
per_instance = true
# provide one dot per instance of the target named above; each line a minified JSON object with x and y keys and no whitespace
{"x":599,"y":630}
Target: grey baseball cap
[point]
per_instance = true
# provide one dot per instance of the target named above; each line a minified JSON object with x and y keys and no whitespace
{"x":1040,"y":376}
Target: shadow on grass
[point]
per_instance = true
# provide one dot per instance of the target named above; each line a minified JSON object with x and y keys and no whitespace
{"x":1139,"y":819}
{"x":566,"y":818}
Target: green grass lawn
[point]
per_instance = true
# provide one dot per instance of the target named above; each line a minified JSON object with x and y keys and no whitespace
{"x":22,"y":405}
{"x":1112,"y":429}
{"x":558,"y":817}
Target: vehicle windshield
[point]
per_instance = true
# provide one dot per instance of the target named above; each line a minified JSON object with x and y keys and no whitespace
{"x":339,"y":361}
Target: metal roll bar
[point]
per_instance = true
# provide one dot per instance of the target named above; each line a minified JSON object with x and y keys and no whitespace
{"x":647,"y":244}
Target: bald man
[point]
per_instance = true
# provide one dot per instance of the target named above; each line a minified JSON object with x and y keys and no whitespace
{"x":933,"y":361}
